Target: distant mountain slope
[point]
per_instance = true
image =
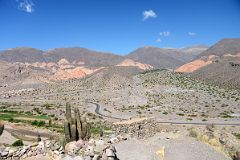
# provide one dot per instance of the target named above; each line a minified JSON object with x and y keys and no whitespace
{"x":22,"y":55}
{"x":156,"y":57}
{"x":218,"y":65}
{"x":19,"y":76}
{"x":26,"y":67}
{"x":190,"y":53}
{"x":73,"y":55}
{"x":163,"y":57}
{"x":83,"y":56}
{"x":223,"y":47}
{"x":223,"y":73}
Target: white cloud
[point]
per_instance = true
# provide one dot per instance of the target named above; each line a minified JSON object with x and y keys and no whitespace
{"x":25,"y":5}
{"x":165,"y":33}
{"x":192,"y":34}
{"x":159,"y":40}
{"x":149,"y":14}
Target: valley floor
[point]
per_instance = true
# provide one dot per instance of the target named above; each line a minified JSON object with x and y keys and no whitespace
{"x":174,"y":102}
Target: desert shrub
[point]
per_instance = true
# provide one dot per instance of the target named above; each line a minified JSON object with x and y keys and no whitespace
{"x":12,"y":120}
{"x":180,"y":114}
{"x":193,"y":133}
{"x":214,"y":142}
{"x":204,"y":138}
{"x":38,"y":123}
{"x":237,"y":135}
{"x":17,"y":143}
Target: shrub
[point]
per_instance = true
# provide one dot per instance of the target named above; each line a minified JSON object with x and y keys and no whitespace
{"x":38,"y":123}
{"x":180,"y":114}
{"x":214,"y":142}
{"x":204,"y":138}
{"x":18,"y":143}
{"x":193,"y":133}
{"x":237,"y":135}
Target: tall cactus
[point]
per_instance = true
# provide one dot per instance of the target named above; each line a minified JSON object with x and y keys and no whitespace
{"x":75,"y":126}
{"x":68,"y":111}
{"x":1,"y":128}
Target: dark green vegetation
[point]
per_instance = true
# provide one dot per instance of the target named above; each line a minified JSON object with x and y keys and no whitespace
{"x":38,"y":123}
{"x":237,"y":135}
{"x":29,"y":118}
{"x":10,"y":115}
{"x":18,"y":143}
{"x":20,"y":116}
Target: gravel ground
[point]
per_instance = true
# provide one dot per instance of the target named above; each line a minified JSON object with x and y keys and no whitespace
{"x":7,"y":138}
{"x":175,"y":148}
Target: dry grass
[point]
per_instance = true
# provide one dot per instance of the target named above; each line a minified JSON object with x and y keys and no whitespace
{"x":193,"y":132}
{"x":213,"y":141}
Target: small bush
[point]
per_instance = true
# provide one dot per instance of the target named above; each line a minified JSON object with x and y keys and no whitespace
{"x":193,"y":133}
{"x":18,"y":143}
{"x":237,"y":135}
{"x":204,"y":138}
{"x":38,"y":123}
{"x":214,"y":142}
{"x":180,"y":114}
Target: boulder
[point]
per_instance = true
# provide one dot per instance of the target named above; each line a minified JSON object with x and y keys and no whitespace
{"x":4,"y":153}
{"x":78,"y":158}
{"x":72,"y":148}
{"x":99,"y":146}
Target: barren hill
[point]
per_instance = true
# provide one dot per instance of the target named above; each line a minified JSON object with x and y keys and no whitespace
{"x":165,"y":57}
{"x":223,"y":73}
{"x":83,"y":56}
{"x":73,"y":55}
{"x":22,"y":55}
{"x":223,"y":47}
{"x":218,"y":65}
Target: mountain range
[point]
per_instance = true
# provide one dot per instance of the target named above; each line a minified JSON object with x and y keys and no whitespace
{"x":29,"y":66}
{"x":33,"y":66}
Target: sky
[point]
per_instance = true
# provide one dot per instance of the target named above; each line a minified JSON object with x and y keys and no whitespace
{"x":117,"y":26}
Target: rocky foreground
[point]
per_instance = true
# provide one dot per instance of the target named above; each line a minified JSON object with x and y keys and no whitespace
{"x":145,"y":140}
{"x":78,"y":150}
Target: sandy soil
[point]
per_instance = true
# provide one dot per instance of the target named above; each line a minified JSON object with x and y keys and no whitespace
{"x":180,"y":148}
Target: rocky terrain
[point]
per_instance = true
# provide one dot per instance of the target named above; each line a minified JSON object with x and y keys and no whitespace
{"x":74,"y":103}
{"x":218,"y":65}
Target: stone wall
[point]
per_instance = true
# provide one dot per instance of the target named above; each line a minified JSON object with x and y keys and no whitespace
{"x":145,"y":128}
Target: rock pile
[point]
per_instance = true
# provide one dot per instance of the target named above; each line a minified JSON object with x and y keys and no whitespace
{"x":75,"y":150}
{"x":42,"y":147}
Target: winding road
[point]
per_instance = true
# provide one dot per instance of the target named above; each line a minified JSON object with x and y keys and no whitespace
{"x":97,"y":111}
{"x":98,"y":107}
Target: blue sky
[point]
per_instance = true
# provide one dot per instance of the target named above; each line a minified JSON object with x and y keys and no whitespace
{"x":117,"y":26}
